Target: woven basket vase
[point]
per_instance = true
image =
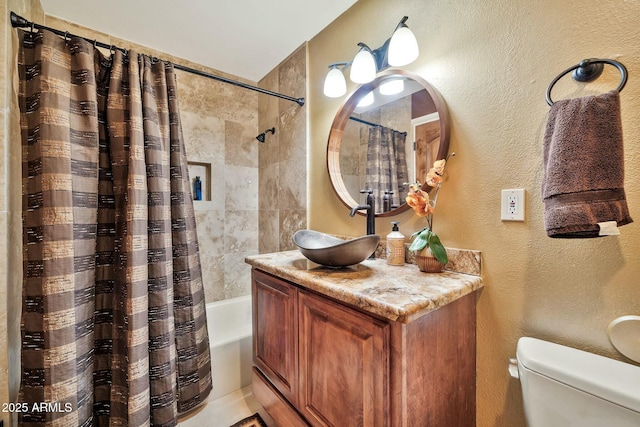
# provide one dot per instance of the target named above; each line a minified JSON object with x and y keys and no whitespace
{"x":427,"y":263}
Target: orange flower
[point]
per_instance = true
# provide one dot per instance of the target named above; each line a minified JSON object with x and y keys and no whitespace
{"x":419,"y":201}
{"x":438,"y":166}
{"x":434,"y":176}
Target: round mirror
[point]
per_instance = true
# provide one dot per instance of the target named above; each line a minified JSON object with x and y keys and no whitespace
{"x":386,"y":135}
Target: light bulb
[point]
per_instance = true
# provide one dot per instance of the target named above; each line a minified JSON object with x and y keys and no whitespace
{"x":392,"y":87}
{"x":363,"y":68}
{"x":367,"y":100}
{"x":334,"y":84}
{"x":403,"y":47}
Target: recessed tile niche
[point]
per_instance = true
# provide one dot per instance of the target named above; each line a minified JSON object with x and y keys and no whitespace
{"x":202,"y":170}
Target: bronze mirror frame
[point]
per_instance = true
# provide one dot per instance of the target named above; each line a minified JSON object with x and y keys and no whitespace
{"x":342,"y":118}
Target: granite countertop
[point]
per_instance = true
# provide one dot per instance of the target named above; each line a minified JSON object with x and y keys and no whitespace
{"x":399,"y":293}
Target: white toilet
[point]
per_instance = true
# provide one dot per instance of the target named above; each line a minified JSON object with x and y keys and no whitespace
{"x":562,"y":386}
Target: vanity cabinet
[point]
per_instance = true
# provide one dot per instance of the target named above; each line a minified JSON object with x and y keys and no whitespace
{"x":321,"y":362}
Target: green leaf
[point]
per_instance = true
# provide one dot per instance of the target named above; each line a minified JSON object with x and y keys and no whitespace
{"x":419,"y":243}
{"x":419,"y":232}
{"x":421,"y":239}
{"x":437,"y":249}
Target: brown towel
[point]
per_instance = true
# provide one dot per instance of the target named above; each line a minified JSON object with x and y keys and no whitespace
{"x":584,"y":166}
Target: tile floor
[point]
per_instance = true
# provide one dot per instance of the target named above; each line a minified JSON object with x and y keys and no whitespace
{"x":226,"y":410}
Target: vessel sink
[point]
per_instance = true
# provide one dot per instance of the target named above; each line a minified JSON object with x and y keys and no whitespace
{"x":331,"y":251}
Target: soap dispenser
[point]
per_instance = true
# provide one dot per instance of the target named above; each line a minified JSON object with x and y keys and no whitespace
{"x":395,"y":246}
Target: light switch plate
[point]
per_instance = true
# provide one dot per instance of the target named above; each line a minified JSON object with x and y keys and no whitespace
{"x":512,"y":206}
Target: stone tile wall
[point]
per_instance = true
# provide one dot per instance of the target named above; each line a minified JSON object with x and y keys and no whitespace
{"x":283,"y":156}
{"x":219,"y":124}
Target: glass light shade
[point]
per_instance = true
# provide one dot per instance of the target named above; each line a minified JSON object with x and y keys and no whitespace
{"x":334,"y":84}
{"x":392,"y":87}
{"x":403,"y":47}
{"x":367,"y":100}
{"x":363,"y":68}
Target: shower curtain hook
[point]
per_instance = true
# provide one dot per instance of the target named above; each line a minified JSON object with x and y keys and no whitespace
{"x":32,"y":28}
{"x":66,"y":36}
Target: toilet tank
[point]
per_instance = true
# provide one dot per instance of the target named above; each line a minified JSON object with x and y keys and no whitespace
{"x":563,"y":386}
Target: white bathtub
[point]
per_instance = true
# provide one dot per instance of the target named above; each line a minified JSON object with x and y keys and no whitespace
{"x":230,"y":338}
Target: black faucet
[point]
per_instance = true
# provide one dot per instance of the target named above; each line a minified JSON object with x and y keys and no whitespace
{"x":371,"y":211}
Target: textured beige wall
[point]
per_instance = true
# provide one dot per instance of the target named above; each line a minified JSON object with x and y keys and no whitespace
{"x":492,"y":62}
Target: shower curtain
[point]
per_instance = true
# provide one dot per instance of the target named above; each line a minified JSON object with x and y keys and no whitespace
{"x":386,"y":165}
{"x":113,"y":320}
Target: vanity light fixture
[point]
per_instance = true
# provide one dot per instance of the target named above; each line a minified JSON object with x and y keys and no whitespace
{"x":334,"y":84}
{"x":403,"y":46}
{"x":398,"y":50}
{"x":363,"y":67}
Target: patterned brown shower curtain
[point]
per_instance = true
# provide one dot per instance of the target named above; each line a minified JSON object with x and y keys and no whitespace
{"x":113,"y":320}
{"x":386,"y":165}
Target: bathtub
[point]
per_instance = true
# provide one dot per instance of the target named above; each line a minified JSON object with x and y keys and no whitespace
{"x":230,"y":337}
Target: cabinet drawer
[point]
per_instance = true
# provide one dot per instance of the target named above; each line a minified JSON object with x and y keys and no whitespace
{"x":277,"y":407}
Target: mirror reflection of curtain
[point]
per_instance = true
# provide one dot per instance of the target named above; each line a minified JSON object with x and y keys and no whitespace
{"x":113,"y":317}
{"x":386,"y":165}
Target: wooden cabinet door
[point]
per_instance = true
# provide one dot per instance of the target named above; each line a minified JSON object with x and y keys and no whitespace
{"x":344,"y":365}
{"x":275,"y":333}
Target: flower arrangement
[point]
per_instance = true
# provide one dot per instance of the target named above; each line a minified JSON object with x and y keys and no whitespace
{"x":424,"y":207}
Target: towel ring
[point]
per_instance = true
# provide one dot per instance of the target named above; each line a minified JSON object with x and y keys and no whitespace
{"x":587,"y":71}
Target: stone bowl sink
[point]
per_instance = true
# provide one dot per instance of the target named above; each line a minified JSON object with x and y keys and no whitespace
{"x":331,"y":251}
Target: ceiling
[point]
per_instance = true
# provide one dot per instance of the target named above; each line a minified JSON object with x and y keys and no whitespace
{"x":245,"y":38}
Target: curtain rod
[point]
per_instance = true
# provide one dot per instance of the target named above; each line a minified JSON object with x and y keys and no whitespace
{"x":20,"y":22}
{"x":356,"y":119}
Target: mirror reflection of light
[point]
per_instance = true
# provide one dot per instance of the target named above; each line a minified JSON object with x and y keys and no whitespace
{"x":392,"y":87}
{"x":367,"y":100}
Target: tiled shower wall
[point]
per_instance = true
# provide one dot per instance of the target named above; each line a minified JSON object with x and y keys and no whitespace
{"x":219,"y":126}
{"x":283,"y":156}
